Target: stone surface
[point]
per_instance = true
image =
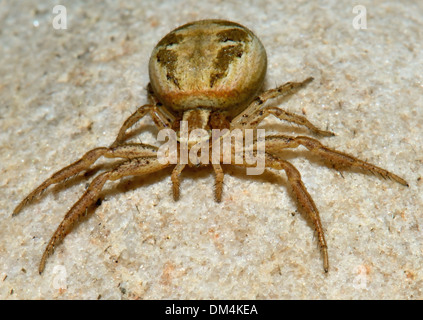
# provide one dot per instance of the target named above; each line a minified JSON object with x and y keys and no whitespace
{"x":63,"y":92}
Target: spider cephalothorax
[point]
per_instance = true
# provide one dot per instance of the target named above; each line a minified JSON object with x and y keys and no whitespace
{"x":206,"y":74}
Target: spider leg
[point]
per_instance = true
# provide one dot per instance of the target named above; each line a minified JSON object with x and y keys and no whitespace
{"x":175,"y":179}
{"x":161,"y":120}
{"x":256,"y":111}
{"x":219,"y":181}
{"x":161,"y":117}
{"x":122,"y":151}
{"x":336,"y":158}
{"x":136,"y":166}
{"x":303,"y":197}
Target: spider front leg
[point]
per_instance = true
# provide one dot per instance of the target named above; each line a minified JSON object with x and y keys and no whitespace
{"x":136,"y":166}
{"x":176,"y":180}
{"x":160,"y":116}
{"x":122,"y":151}
{"x":303,"y":197}
{"x":256,"y":111}
{"x":219,"y":181}
{"x":336,"y":158}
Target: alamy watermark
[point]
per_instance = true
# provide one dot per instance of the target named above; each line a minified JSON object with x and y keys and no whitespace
{"x":59,"y":278}
{"x":361,"y":279}
{"x":60,"y":21}
{"x":243,"y":147}
{"x":360,"y":20}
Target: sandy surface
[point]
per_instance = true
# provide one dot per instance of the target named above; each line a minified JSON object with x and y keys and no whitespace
{"x":63,"y":92}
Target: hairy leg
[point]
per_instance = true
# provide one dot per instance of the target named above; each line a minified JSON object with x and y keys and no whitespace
{"x":175,"y":179}
{"x":160,"y":119}
{"x":136,"y":166}
{"x":303,"y":197}
{"x":256,"y":112}
{"x":122,"y":151}
{"x":336,"y":158}
{"x":219,"y":181}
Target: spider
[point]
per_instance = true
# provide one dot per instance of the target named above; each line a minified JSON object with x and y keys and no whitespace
{"x":208,"y":73}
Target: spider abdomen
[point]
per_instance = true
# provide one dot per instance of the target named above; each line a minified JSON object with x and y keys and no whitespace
{"x":209,"y":63}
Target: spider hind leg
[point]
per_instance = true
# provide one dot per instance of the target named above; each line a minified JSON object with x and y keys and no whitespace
{"x":136,"y":166}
